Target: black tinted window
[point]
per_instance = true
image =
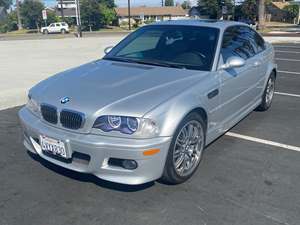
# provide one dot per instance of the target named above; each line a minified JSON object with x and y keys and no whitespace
{"x":259,"y":41}
{"x":191,"y":47}
{"x":238,"y":41}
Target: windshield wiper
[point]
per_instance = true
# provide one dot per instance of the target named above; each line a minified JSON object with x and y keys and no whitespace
{"x":160,"y":63}
{"x":120,"y":59}
{"x":146,"y":62}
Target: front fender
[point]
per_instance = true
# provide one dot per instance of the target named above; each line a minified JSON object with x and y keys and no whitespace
{"x":169,"y":114}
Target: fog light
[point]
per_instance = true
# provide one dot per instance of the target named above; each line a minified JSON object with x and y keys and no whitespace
{"x":129,"y":164}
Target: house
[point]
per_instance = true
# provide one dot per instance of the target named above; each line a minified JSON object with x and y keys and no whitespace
{"x":145,"y":13}
{"x":275,"y":12}
{"x":3,"y":13}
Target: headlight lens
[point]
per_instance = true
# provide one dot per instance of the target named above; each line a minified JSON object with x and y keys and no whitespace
{"x":127,"y":125}
{"x":32,"y":105}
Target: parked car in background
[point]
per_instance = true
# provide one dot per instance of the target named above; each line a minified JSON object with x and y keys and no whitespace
{"x":62,"y":27}
{"x":151,"y":105}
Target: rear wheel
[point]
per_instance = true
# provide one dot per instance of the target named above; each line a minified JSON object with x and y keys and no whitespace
{"x":268,"y":94}
{"x":63,"y":31}
{"x":185,"y":152}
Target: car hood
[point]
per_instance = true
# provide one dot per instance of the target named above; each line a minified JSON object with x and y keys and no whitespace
{"x":105,"y":87}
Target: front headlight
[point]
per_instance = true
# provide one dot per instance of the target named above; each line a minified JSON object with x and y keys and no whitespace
{"x":32,"y":105}
{"x":127,"y":125}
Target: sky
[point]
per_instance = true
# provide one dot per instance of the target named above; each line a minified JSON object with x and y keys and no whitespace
{"x":122,"y":3}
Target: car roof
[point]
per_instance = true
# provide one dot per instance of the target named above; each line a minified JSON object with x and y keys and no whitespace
{"x":221,"y":24}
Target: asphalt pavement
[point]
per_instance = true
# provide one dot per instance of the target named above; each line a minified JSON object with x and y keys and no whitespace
{"x":249,"y":176}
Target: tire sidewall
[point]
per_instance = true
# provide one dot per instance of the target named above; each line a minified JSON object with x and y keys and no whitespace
{"x":169,"y":170}
{"x":264,"y":104}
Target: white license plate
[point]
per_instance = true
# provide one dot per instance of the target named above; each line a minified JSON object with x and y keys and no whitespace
{"x":53,"y":146}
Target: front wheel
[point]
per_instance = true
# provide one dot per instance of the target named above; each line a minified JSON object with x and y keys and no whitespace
{"x":268,"y":94}
{"x":45,"y":32}
{"x":185,"y":152}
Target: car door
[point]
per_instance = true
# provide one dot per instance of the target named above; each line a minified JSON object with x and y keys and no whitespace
{"x":261,"y":61}
{"x":57,"y":28}
{"x":237,"y":88}
{"x":51,"y":28}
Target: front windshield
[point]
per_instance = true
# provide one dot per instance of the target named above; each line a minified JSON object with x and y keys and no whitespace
{"x":189,"y":47}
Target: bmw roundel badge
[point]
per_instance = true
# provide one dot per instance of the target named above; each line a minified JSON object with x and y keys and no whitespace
{"x":64,"y":100}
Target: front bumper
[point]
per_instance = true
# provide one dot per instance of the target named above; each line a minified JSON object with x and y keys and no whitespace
{"x":99,"y":149}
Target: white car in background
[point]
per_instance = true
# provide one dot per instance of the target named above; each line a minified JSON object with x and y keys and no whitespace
{"x":61,"y":27}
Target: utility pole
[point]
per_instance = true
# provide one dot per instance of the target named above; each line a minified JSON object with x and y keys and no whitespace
{"x":261,"y":14}
{"x":62,"y":10}
{"x":129,"y":15}
{"x":162,"y":3}
{"x":78,"y":19}
{"x":18,"y":15}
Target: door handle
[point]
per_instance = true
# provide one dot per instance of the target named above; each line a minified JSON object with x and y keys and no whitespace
{"x":213,"y":94}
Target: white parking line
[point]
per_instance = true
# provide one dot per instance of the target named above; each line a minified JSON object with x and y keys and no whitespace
{"x":263,"y":141}
{"x":291,"y":60}
{"x":287,"y":51}
{"x":289,"y":72}
{"x":287,"y":94}
{"x":285,"y":46}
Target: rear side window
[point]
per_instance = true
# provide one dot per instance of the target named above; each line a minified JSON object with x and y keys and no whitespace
{"x":259,"y":41}
{"x":58,"y":25}
{"x":63,"y":24}
{"x":238,"y":41}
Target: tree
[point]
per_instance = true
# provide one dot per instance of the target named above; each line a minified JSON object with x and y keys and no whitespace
{"x":213,"y":8}
{"x":292,"y":11}
{"x":5,"y":3}
{"x":51,"y":17}
{"x":186,"y":4}
{"x":246,"y":10}
{"x":31,"y":12}
{"x":108,"y":3}
{"x":108,"y":15}
{"x":210,"y":7}
{"x":90,"y":14}
{"x":169,"y":2}
{"x":10,"y":23}
{"x":96,"y":14}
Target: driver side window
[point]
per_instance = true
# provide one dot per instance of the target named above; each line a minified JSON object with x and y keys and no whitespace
{"x":237,"y":42}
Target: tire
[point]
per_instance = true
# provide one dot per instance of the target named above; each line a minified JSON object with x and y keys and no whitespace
{"x":268,"y":94}
{"x":63,"y":31}
{"x":45,"y":32}
{"x":173,"y":174}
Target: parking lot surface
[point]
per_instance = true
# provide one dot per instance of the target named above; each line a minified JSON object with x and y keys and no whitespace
{"x":249,"y":176}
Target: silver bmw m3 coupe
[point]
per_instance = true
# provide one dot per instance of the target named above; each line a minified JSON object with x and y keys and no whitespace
{"x":148,"y":108}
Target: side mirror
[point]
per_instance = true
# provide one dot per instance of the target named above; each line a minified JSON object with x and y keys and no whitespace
{"x":233,"y":62}
{"x":108,"y":49}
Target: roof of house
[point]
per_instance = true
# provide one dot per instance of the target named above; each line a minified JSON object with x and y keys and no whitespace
{"x":152,"y":11}
{"x":280,"y":5}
